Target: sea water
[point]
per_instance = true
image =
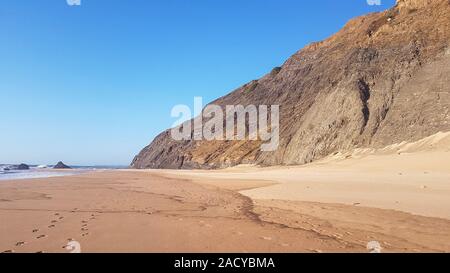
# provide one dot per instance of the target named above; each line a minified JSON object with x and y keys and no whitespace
{"x":44,"y":173}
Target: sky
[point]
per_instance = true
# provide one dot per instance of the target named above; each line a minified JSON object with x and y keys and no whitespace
{"x":93,"y":84}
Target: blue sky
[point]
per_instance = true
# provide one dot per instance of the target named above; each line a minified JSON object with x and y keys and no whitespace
{"x":93,"y":84}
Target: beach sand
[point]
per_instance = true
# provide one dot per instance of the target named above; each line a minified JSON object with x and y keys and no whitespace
{"x":398,"y":196}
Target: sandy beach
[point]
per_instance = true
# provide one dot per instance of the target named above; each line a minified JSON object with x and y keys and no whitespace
{"x":399,"y":199}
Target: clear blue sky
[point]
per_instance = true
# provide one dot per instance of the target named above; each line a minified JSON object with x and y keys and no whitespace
{"x":93,"y":84}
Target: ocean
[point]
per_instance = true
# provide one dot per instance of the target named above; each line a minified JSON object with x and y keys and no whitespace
{"x":7,"y":173}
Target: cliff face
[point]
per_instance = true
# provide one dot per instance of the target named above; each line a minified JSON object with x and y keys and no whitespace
{"x":384,"y":78}
{"x":413,"y":4}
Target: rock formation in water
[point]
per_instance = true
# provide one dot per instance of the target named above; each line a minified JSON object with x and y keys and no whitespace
{"x":383,"y":79}
{"x":23,"y":167}
{"x":61,"y":165}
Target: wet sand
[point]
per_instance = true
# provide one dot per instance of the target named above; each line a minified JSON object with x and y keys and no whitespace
{"x":172,"y":211}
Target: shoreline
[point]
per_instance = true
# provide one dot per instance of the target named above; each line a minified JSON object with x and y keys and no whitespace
{"x":33,"y":173}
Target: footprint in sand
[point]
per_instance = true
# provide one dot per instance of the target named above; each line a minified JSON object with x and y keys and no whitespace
{"x":8,"y":251}
{"x":56,"y":214}
{"x":41,"y":236}
{"x":85,"y":234}
{"x":20,"y":243}
{"x":60,"y":218}
{"x":35,"y":230}
{"x":54,"y":222}
{"x":51,"y":226}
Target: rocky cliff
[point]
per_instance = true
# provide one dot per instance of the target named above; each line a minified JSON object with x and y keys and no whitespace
{"x":384,"y":78}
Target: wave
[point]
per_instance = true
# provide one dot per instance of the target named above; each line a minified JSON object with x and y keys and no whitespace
{"x":32,"y":174}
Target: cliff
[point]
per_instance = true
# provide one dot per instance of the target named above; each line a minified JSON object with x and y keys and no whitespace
{"x":384,"y":78}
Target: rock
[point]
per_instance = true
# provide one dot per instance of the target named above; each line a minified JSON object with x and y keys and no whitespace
{"x":412,"y":5}
{"x":19,"y":167}
{"x":22,"y":167}
{"x":61,"y":165}
{"x":372,"y":84}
